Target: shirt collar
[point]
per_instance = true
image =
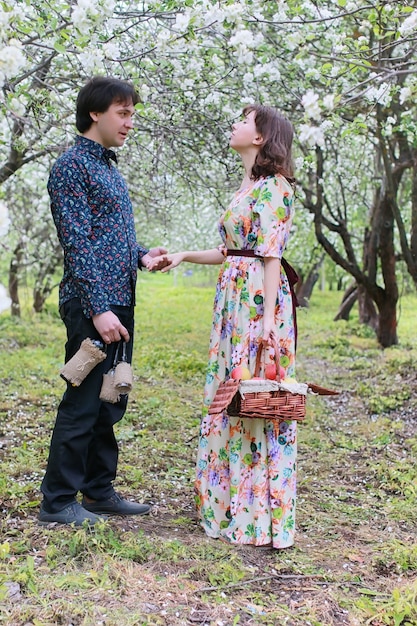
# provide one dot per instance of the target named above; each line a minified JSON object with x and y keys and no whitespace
{"x":97,"y":149}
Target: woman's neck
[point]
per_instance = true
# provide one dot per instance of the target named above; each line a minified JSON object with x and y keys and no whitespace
{"x":246,"y":181}
{"x":248,"y":159}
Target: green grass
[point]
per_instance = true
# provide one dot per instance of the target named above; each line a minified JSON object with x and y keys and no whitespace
{"x":354,"y":561}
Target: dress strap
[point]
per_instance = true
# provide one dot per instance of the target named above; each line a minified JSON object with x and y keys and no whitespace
{"x":250,"y":253}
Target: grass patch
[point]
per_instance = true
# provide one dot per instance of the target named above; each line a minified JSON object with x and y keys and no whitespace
{"x":355,"y":557}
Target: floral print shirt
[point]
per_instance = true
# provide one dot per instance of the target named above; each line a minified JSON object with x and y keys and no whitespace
{"x":93,"y":216}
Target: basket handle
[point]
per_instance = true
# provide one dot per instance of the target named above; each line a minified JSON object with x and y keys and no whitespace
{"x":262,"y":346}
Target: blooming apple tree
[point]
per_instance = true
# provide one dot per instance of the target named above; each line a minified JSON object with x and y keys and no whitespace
{"x":343,"y":71}
{"x":361,"y":162}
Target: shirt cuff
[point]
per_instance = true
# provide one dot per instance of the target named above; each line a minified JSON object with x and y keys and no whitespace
{"x":141,"y":252}
{"x":95,"y":308}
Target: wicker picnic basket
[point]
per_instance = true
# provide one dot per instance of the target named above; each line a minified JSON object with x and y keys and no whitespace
{"x":268,"y":400}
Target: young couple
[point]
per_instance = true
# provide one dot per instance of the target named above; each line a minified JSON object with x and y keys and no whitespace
{"x":246,"y":468}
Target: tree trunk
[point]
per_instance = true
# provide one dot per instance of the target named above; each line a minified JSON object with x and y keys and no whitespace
{"x":413,"y":235}
{"x":349,"y":298}
{"x":43,"y":285}
{"x":40,"y":293}
{"x":305,"y":288}
{"x":368,"y":313}
{"x":14,"y":270}
{"x":387,"y":326}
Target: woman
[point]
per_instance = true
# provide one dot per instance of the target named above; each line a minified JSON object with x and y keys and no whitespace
{"x":246,"y":468}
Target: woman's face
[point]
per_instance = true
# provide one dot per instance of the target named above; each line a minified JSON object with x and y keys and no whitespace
{"x":244,"y":133}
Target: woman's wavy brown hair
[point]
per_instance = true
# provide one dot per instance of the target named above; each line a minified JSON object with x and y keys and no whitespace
{"x":274,"y":156}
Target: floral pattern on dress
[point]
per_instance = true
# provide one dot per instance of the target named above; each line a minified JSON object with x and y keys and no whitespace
{"x":246,"y":468}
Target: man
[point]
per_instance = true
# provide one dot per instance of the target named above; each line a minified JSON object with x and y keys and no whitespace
{"x":95,"y":225}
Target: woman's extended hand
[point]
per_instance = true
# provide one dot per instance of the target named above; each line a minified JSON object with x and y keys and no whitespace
{"x":170,"y":261}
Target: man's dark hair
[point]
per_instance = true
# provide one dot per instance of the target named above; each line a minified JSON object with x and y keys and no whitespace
{"x":98,"y":95}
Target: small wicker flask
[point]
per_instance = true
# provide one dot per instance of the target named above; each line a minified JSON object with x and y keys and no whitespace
{"x":108,"y":392}
{"x":123,"y":375}
{"x":119,"y":379}
{"x":83,"y":362}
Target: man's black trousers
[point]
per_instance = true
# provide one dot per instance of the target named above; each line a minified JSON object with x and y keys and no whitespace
{"x":83,"y":452}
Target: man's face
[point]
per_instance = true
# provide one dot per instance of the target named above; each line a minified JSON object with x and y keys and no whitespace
{"x":113,"y":125}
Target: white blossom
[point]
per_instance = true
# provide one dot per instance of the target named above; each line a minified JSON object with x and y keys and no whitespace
{"x":409,"y":25}
{"x":267,"y":69}
{"x":163,"y":39}
{"x":12,"y":59}
{"x":4,"y":19}
{"x":144,"y":91}
{"x":217,"y":62}
{"x":86,"y":12}
{"x":18,"y":104}
{"x":182,"y":21}
{"x":326,"y":125}
{"x":311,"y":135}
{"x":280,"y":16}
{"x":111,"y":50}
{"x":92,"y":60}
{"x":212,"y":98}
{"x":405,"y":94}
{"x":380,"y":94}
{"x":248,"y":78}
{"x":328,"y":101}
{"x":188,"y":83}
{"x":313,"y":74}
{"x":4,"y":219}
{"x":245,"y":56}
{"x":365,"y":26}
{"x":81,"y":18}
{"x":214,"y":15}
{"x":310,"y":102}
{"x":242,"y":37}
{"x":234,"y":11}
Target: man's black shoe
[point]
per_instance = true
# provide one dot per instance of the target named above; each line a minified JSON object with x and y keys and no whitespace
{"x":116,"y":505}
{"x":72,"y":514}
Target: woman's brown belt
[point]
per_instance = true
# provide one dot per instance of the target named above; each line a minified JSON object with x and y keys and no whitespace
{"x":291,"y":275}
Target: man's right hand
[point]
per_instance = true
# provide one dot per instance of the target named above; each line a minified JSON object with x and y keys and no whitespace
{"x":167,"y":262}
{"x":110,"y":327}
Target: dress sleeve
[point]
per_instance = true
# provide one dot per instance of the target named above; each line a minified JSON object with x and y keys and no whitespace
{"x":272,"y":216}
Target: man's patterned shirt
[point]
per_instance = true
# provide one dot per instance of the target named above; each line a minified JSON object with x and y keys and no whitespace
{"x":93,"y":216}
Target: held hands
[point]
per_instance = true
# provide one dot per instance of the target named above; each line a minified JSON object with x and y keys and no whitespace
{"x":155,"y":259}
{"x":110,"y":327}
{"x":172,"y":260}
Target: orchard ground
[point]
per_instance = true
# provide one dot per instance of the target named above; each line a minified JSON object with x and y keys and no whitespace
{"x":355,"y":557}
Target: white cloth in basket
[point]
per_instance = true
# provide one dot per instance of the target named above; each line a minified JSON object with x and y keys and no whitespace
{"x":256,"y":386}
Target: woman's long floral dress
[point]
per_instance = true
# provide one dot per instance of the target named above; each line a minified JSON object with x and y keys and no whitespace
{"x":246,"y":468}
